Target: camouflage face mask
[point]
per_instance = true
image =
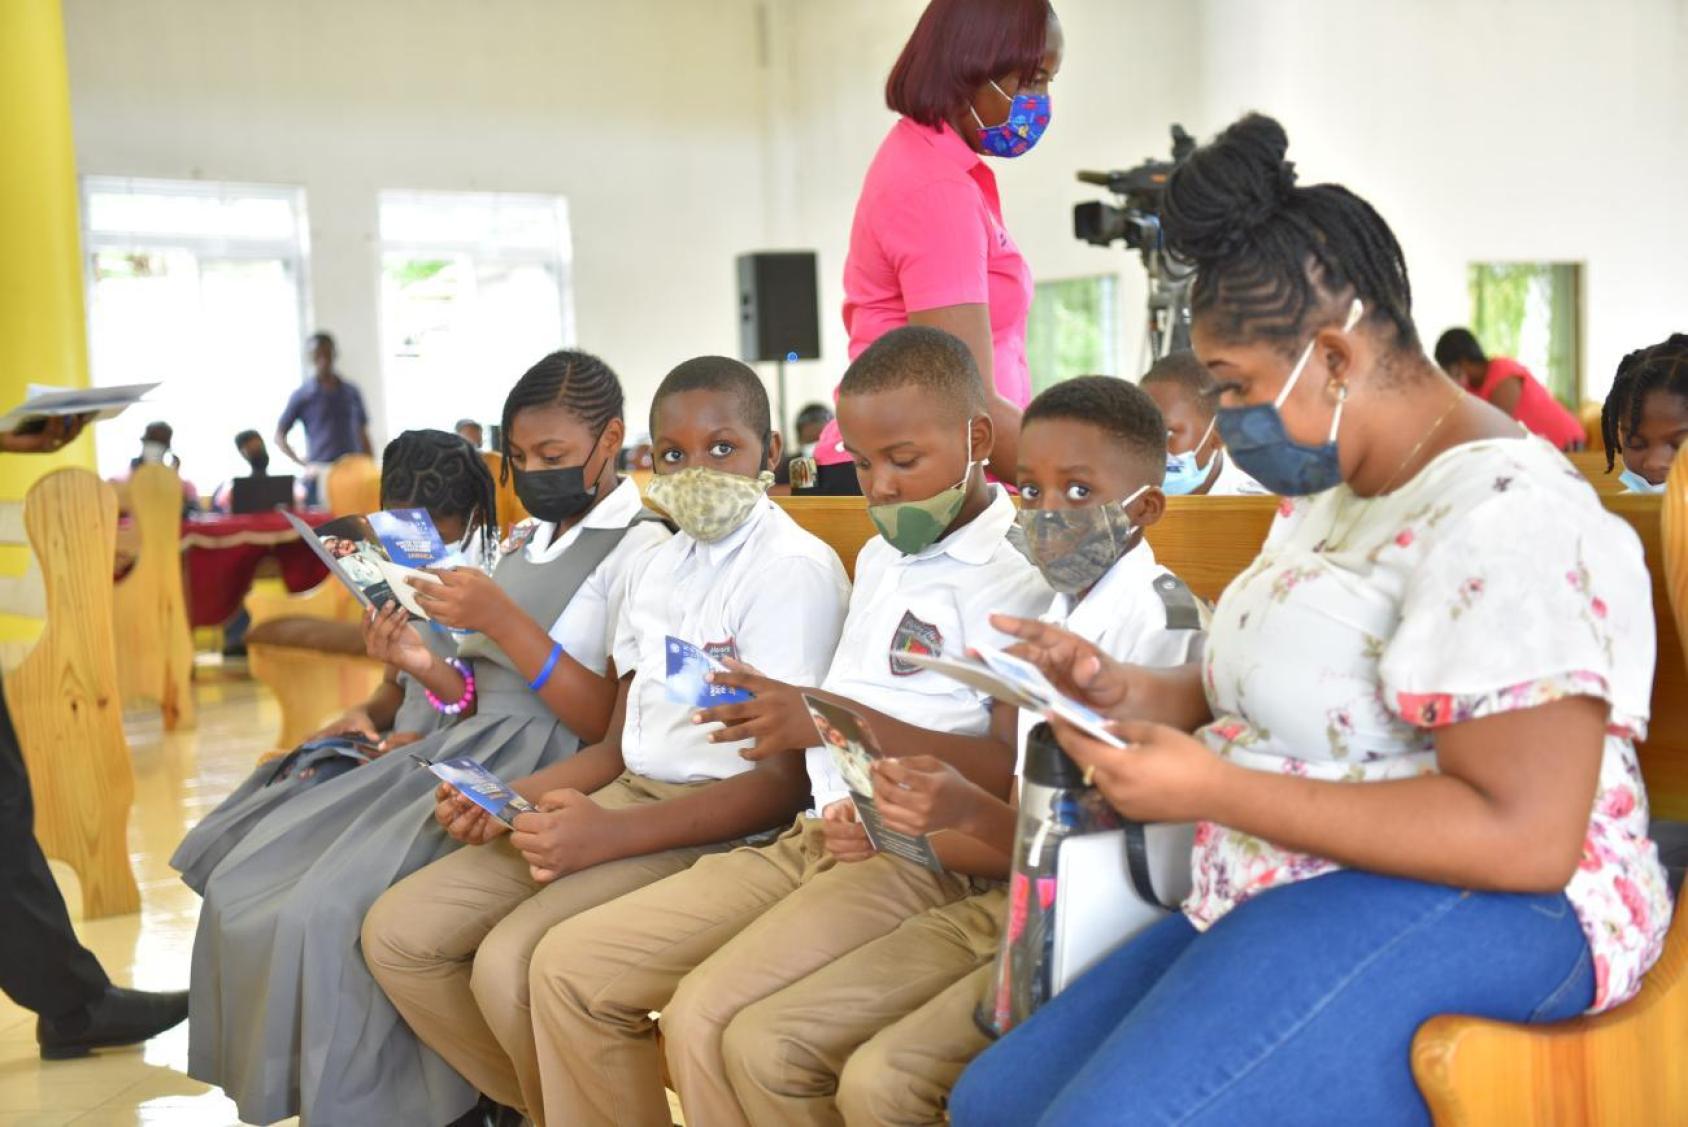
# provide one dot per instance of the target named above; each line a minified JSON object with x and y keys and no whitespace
{"x":914,"y":526}
{"x":1074,"y":548}
{"x":707,"y":504}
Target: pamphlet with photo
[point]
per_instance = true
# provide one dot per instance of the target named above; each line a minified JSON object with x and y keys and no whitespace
{"x":1018,"y":682}
{"x":847,"y":737}
{"x":379,"y":557}
{"x":688,"y":665}
{"x":481,"y":787}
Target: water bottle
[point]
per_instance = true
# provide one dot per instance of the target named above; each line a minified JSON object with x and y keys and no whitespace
{"x":1055,"y":804}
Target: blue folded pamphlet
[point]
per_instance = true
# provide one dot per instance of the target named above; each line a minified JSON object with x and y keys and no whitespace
{"x":687,"y":665}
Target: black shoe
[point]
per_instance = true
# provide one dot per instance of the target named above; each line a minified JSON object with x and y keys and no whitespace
{"x":488,"y":1113}
{"x":118,"y":1017}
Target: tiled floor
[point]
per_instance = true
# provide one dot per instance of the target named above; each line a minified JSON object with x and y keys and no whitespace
{"x":178,"y":776}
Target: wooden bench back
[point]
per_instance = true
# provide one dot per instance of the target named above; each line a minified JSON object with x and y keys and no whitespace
{"x":1664,"y":757}
{"x":154,"y":644}
{"x":511,"y":511}
{"x":352,"y":486}
{"x":64,"y":696}
{"x":1206,"y":541}
{"x":1592,"y":465}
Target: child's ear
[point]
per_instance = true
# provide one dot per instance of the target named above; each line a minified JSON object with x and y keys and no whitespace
{"x":776,"y":447}
{"x":984,"y":436}
{"x":1150,"y":506}
{"x":614,"y":437}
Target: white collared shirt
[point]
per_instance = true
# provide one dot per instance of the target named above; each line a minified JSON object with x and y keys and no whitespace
{"x":1126,"y":616}
{"x":586,"y":628}
{"x":939,"y":600}
{"x":772,"y":592}
{"x":1233,"y":481}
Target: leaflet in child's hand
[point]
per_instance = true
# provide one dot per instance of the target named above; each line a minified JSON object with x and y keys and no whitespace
{"x":853,"y":748}
{"x":379,"y":557}
{"x":687,"y":667}
{"x":481,"y":787}
{"x":1018,"y":682}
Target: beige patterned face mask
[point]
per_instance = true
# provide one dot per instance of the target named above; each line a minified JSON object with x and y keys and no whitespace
{"x":706,"y":503}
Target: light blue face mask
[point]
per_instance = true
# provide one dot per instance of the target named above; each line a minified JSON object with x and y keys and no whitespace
{"x":1635,"y":483}
{"x":1183,"y":475}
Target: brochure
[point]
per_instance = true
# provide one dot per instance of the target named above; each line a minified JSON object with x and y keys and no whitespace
{"x":854,"y":748}
{"x":361,"y":551}
{"x":481,"y":787}
{"x":46,"y":402}
{"x":1018,"y":682}
{"x":687,"y":666}
{"x":351,"y":748}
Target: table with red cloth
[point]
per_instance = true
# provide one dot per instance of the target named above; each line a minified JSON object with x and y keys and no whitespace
{"x":221,"y":555}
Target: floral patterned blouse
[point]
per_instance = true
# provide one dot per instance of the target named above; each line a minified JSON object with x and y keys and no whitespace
{"x":1492,"y":581}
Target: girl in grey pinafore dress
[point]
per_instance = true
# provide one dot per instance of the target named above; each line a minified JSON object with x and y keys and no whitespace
{"x":283,"y":1014}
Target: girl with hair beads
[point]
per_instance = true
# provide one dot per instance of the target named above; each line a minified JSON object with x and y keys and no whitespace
{"x":1413,"y":774}
{"x":1645,"y":418}
{"x":420,"y":469}
{"x":285,"y":1016}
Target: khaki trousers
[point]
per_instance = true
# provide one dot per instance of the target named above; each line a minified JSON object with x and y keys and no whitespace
{"x":903,"y":1075}
{"x":450,"y":944}
{"x":784,"y":1055}
{"x":700,"y":947}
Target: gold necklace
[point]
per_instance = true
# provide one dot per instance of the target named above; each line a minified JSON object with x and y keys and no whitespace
{"x":1447,"y":413}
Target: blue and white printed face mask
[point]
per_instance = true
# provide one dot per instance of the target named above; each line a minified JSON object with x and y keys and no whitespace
{"x":1256,"y":439}
{"x":1183,"y":475}
{"x":1635,"y":483}
{"x":1028,"y":117}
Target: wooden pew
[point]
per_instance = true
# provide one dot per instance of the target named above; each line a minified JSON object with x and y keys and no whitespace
{"x":154,"y":644}
{"x":1206,"y":541}
{"x":1592,"y":464}
{"x":308,"y":650}
{"x":352,"y":485}
{"x":1589,"y":415}
{"x":511,"y":511}
{"x":1628,"y":1065}
{"x":64,"y":697}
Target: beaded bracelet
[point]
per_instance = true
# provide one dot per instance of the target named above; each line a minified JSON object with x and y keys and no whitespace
{"x":463,"y":701}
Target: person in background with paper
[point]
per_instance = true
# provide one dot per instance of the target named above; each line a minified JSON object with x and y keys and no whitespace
{"x":423,"y":469}
{"x":276,"y":959}
{"x":452,"y":945}
{"x":704,"y":945}
{"x":331,"y":409}
{"x":1091,"y":458}
{"x":1413,"y":766}
{"x":43,"y":967}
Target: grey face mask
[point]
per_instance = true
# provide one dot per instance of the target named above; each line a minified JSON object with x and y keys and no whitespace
{"x":1074,"y":548}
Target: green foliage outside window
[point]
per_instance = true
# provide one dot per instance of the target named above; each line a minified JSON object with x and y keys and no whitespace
{"x":1532,"y":312}
{"x":1073,"y":330}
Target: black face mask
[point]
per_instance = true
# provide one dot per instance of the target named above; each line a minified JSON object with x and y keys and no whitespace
{"x":260,"y":463}
{"x":555,"y":495}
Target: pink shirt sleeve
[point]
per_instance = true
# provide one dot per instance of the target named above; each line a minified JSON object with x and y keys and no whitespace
{"x":937,"y":240}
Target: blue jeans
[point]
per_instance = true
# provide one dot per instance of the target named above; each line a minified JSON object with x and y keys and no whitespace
{"x":1297,"y":1007}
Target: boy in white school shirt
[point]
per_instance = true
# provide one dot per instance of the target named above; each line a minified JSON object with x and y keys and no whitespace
{"x":898,"y":1022}
{"x":742,"y":925}
{"x":450,"y":945}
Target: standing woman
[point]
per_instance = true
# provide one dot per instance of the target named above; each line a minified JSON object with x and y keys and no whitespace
{"x":1415,"y":776}
{"x":928,"y":245}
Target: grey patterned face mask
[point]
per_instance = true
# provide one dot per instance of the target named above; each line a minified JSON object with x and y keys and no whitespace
{"x":1074,"y":548}
{"x":706,"y":503}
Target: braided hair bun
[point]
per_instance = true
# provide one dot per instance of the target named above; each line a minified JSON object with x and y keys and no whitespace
{"x":1269,"y":253}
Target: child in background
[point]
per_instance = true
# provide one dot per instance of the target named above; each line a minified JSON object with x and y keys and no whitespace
{"x":742,"y":925}
{"x":420,"y":469}
{"x":900,"y":1009}
{"x":1645,"y":417}
{"x":1196,"y":464}
{"x":451,"y":944}
{"x":285,"y":1017}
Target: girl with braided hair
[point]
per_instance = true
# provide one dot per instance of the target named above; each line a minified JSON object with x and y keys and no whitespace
{"x":285,"y":1017}
{"x":1645,"y":417}
{"x":1413,"y":765}
{"x":420,"y":469}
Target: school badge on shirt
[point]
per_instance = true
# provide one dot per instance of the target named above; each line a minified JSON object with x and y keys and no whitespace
{"x":913,"y":637}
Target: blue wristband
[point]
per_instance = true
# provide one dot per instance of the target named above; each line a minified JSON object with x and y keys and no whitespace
{"x":550,"y":664}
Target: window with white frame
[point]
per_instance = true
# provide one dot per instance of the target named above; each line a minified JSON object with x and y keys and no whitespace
{"x":201,"y":286}
{"x":475,"y":287}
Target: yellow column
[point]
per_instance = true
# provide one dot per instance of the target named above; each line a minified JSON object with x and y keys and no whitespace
{"x":42,"y":338}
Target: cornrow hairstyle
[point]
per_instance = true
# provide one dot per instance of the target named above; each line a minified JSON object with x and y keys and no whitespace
{"x":918,"y":356}
{"x":1268,"y":255}
{"x":1118,"y":408}
{"x":723,"y":374}
{"x":1456,"y":345}
{"x":1186,"y":371}
{"x":440,"y":472}
{"x":1660,"y":367}
{"x":576,"y":381}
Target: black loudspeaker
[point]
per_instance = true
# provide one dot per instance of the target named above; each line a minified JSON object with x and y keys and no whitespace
{"x":779,"y":306}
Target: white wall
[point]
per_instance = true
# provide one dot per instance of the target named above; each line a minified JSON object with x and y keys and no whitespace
{"x":646,"y":114}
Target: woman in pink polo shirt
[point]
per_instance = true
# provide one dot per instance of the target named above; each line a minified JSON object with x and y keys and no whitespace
{"x":928,"y":245}
{"x":1510,"y":386}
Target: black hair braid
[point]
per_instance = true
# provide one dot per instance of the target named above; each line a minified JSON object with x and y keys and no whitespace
{"x":1659,"y":367}
{"x":1268,"y":253}
{"x":576,"y":381}
{"x":440,"y":472}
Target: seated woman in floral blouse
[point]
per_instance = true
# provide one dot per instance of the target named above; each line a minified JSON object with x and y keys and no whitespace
{"x":1415,"y":767}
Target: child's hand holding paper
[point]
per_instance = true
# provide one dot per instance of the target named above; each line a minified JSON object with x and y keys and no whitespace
{"x":462,"y":598}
